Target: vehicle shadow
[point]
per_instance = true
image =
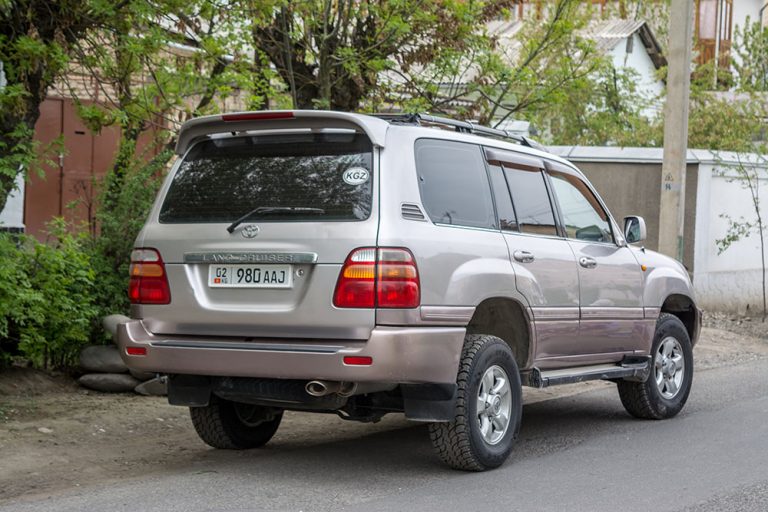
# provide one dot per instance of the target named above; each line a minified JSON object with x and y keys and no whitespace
{"x":404,"y":449}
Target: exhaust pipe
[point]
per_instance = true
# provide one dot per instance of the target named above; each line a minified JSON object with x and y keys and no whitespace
{"x":346,"y":389}
{"x":326,"y":387}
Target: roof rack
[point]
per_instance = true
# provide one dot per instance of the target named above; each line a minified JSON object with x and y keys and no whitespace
{"x":460,"y":126}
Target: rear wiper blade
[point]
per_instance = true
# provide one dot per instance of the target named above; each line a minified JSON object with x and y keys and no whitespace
{"x":274,"y":209}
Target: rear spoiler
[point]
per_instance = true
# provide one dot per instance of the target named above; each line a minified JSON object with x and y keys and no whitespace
{"x":194,"y":129}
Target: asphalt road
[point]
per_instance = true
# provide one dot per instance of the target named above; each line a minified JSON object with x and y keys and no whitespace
{"x":579,"y":453}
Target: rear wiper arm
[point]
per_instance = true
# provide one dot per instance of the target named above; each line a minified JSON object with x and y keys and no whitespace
{"x":274,"y":209}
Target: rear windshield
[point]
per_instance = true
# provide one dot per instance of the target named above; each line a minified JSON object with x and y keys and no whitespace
{"x":288,"y":177}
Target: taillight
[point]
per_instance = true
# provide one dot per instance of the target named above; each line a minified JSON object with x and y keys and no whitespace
{"x":149,"y":283}
{"x":356,"y":287}
{"x":385,"y":278}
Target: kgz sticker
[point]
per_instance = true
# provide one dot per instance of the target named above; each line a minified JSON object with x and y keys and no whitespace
{"x":356,"y":176}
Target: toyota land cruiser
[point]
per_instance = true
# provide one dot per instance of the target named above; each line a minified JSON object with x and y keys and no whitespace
{"x":362,"y":265}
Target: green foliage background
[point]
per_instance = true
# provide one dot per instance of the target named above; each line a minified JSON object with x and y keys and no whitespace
{"x":47,"y":306}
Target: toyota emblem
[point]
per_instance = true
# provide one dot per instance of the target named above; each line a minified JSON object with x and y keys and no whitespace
{"x":250,"y":231}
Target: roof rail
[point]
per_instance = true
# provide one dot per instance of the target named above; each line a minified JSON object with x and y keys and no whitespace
{"x":459,"y":126}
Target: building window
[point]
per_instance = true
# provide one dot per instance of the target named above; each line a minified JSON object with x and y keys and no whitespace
{"x":713,"y":24}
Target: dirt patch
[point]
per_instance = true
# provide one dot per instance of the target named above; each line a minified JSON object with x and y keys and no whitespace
{"x":54,"y":435}
{"x":16,"y":381}
{"x":751,"y":326}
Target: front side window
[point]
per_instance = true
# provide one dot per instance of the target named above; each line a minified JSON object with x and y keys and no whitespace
{"x":288,"y":177}
{"x":531,"y":200}
{"x":583,"y":216}
{"x":454,"y":184}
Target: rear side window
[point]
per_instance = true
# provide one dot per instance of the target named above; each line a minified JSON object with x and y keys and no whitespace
{"x":507,"y":218}
{"x":454,"y":184}
{"x":289,"y":177}
{"x":531,"y":200}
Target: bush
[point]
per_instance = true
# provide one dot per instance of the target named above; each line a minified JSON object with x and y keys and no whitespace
{"x":47,"y":306}
{"x":119,"y":219}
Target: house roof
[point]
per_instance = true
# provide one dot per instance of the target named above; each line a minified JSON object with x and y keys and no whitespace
{"x":607,"y":34}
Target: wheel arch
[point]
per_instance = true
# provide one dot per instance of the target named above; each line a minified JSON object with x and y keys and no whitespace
{"x":683,"y":307}
{"x":508,"y":320}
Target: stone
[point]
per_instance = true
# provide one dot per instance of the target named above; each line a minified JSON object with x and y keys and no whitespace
{"x":108,"y":382}
{"x":102,"y":359}
{"x":45,"y":430}
{"x":142,"y":376}
{"x":155,"y":387}
{"x":110,"y":323}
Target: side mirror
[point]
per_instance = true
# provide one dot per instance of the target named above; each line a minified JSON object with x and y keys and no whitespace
{"x":634,"y":229}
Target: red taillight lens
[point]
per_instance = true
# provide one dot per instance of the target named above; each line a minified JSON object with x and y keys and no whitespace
{"x":149,"y":283}
{"x":384,"y":278}
{"x":398,"y":279}
{"x":356,"y":287}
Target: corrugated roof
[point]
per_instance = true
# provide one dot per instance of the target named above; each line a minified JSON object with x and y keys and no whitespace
{"x":608,"y":34}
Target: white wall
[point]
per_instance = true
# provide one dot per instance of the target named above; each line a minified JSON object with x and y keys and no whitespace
{"x":730,"y":281}
{"x":649,"y":84}
{"x":12,"y":215}
{"x":741,"y":10}
{"x":744,"y":8}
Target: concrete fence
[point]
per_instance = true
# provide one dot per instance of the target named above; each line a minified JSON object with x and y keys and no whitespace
{"x":629,"y":179}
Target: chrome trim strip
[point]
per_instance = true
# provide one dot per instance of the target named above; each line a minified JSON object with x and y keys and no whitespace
{"x":547,"y":314}
{"x":612,"y":313}
{"x":250,"y":257}
{"x":652,"y":312}
{"x":223,"y":345}
{"x":451,"y":314}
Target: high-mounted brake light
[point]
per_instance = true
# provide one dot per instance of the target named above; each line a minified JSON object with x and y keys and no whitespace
{"x":384,"y":278}
{"x":149,"y":282}
{"x":257,"y":116}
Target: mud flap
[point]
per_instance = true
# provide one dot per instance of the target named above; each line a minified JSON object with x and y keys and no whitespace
{"x":429,"y":402}
{"x":189,"y":390}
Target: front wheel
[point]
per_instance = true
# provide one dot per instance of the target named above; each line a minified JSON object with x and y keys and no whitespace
{"x":488,"y":408}
{"x":666,"y":390}
{"x":235,"y":426}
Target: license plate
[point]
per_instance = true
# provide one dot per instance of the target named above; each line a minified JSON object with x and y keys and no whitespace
{"x":249,"y":276}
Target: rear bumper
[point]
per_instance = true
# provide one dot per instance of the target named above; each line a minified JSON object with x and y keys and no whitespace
{"x":400,"y":355}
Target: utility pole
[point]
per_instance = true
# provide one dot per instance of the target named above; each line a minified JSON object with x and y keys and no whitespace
{"x":672,"y":203}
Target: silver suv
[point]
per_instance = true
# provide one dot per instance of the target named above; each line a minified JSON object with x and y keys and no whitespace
{"x":336,"y":262}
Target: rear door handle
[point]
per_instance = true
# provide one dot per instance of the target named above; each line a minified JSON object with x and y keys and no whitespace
{"x":523,"y":256}
{"x":587,"y":262}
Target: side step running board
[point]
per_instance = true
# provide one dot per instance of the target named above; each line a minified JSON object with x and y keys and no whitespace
{"x":635,"y":368}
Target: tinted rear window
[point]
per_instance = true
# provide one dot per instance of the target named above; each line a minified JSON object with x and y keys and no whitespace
{"x":454,"y":184}
{"x":330,"y":175}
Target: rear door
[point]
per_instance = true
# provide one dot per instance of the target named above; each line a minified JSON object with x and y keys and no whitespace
{"x":305,"y":201}
{"x":611,"y":281}
{"x":545,"y":267}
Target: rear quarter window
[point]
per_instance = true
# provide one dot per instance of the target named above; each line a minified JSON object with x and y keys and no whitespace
{"x":326,"y":177}
{"x":454,"y":183}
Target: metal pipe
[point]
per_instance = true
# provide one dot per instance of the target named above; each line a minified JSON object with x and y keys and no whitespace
{"x":346,"y":389}
{"x":322,"y":387}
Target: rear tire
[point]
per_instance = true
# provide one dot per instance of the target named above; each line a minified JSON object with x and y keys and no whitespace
{"x":489,"y":407}
{"x":235,"y":426}
{"x":666,"y":390}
